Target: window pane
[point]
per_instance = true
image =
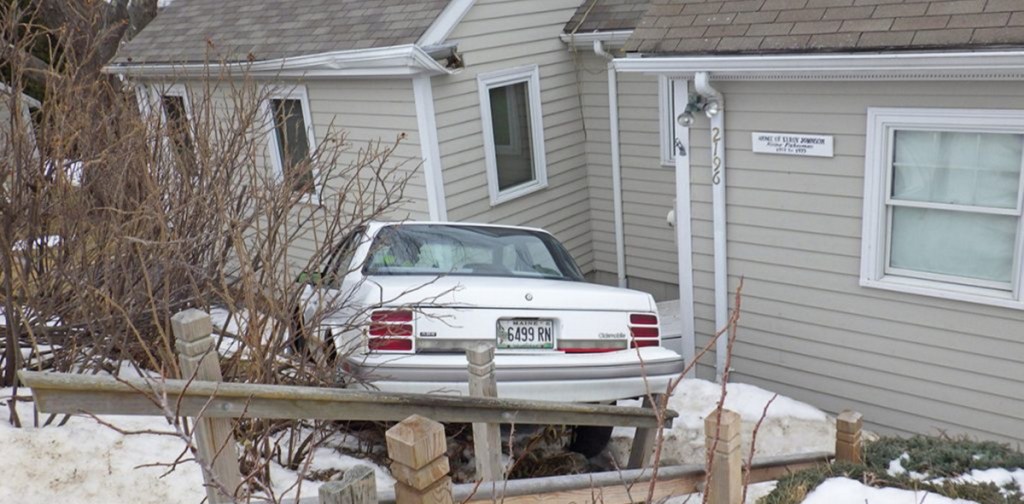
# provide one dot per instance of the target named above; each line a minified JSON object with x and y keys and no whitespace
{"x":178,"y":131}
{"x":435,"y":249}
{"x":510,"y":117}
{"x":293,"y":143}
{"x":977,"y":169}
{"x":953,"y":243}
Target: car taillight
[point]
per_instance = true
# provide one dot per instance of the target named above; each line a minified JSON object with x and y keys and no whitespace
{"x":390,"y":330}
{"x":391,"y":316}
{"x":643,"y":327}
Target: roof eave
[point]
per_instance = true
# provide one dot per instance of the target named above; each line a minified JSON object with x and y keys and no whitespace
{"x":395,"y":61}
{"x":939,"y":65}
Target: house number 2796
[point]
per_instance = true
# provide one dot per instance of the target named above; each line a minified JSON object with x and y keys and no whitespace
{"x":716,"y":158}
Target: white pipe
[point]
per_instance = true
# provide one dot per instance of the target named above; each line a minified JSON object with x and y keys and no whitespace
{"x":703,"y":86}
{"x":684,"y":256}
{"x":613,"y":130}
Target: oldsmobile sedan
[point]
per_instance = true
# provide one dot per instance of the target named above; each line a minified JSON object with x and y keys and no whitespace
{"x":400,"y":302}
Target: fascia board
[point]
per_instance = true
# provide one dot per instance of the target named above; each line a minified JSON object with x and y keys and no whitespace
{"x":394,"y":61}
{"x":981,"y":65}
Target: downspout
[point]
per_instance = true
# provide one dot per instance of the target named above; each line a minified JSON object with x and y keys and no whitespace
{"x":613,"y":131}
{"x":702,"y":85}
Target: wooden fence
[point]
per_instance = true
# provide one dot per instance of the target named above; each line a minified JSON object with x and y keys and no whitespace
{"x":417,"y":444}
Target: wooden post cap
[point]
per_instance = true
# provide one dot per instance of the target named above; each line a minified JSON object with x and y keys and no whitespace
{"x":849,"y":421}
{"x":191,"y":325}
{"x":727,"y":424}
{"x":480,"y":353}
{"x":416,"y":441}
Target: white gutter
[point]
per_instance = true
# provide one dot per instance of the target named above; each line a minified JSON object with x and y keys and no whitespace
{"x":980,"y":65}
{"x":702,"y":84}
{"x":610,"y":39}
{"x":445,"y":24}
{"x":394,"y":61}
{"x":613,"y":132}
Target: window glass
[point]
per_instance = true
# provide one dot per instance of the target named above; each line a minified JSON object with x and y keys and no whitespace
{"x":510,"y":117}
{"x":435,"y":249}
{"x":979,"y":172}
{"x":179,"y":131}
{"x":293,"y":143}
{"x":976,"y":169}
{"x":961,"y":244}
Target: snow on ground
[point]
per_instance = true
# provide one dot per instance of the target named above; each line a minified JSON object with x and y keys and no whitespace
{"x":86,"y":462}
{"x":999,"y":476}
{"x":848,"y":491}
{"x":789,"y":427}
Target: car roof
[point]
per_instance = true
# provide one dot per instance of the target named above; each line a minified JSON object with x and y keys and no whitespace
{"x":376,"y":225}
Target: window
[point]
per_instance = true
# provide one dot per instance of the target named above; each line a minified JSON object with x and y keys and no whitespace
{"x":942,"y":212}
{"x":292,"y":142}
{"x":513,"y":132}
{"x":175,"y":115}
{"x":437,"y":249}
{"x":666,"y":108}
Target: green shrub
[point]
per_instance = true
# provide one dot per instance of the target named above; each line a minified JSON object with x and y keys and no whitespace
{"x":936,"y":457}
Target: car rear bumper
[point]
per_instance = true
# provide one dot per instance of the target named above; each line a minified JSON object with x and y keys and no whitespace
{"x":552,"y":376}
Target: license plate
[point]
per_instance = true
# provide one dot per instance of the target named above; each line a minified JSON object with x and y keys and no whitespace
{"x":526,"y":333}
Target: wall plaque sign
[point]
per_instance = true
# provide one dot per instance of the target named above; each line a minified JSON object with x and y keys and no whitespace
{"x":792,"y":144}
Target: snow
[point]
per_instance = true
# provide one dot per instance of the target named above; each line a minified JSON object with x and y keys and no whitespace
{"x":896,"y":468}
{"x":848,"y":491}
{"x":999,"y":476}
{"x":789,"y":427}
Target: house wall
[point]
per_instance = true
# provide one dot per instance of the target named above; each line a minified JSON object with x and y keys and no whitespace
{"x":496,"y":35}
{"x":648,"y":187}
{"x":807,"y":329}
{"x":364,"y":111}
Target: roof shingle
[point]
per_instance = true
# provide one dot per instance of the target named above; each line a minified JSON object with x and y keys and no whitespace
{"x":606,"y":15}
{"x":189,"y":31}
{"x":766,"y":26}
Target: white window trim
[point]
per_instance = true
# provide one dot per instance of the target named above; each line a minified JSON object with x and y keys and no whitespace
{"x":666,"y":120}
{"x":874,"y":248}
{"x":159,"y":91}
{"x":291,"y":93}
{"x":486,"y":81}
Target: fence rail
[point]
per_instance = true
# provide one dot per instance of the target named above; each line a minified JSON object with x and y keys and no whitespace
{"x":417,"y":444}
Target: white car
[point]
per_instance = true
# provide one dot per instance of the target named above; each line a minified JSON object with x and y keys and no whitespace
{"x":403,"y":301}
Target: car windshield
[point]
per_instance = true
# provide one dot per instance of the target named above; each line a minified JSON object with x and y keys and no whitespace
{"x":438,"y":249}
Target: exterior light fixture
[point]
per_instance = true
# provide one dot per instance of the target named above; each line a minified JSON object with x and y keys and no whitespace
{"x":698,"y":103}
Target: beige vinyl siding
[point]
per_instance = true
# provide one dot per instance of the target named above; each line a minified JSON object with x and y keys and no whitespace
{"x":497,"y":35}
{"x":807,"y":329}
{"x":364,"y":111}
{"x":648,"y":188}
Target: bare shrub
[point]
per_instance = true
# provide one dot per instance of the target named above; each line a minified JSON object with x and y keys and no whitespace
{"x":114,"y":215}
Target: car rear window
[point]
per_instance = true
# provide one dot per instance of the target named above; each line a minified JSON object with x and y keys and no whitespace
{"x":438,"y":249}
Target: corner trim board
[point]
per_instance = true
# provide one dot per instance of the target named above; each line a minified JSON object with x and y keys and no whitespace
{"x":430,"y":149}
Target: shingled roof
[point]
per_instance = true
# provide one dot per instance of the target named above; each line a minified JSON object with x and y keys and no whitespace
{"x":773,"y":26}
{"x":258,"y":30}
{"x":606,"y":15}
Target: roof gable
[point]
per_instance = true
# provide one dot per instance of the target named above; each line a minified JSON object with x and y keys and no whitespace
{"x":190,"y":31}
{"x":772,"y":26}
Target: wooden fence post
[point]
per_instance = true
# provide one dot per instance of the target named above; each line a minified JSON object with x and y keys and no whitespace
{"x":848,"y":440}
{"x":726,"y":485}
{"x":358,"y":486}
{"x":643,"y":440}
{"x":214,"y":439}
{"x":486,"y":436}
{"x":419,"y":464}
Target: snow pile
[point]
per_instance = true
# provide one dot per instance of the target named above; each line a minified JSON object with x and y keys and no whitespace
{"x":789,"y":426}
{"x":86,"y":462}
{"x":848,"y":491}
{"x":90,"y":463}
